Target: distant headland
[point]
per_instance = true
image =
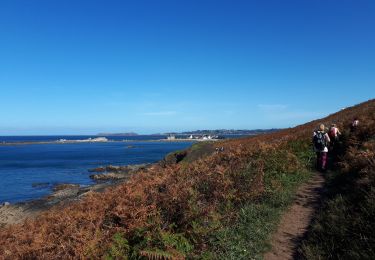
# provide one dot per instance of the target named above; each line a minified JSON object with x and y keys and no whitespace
{"x":213,"y":132}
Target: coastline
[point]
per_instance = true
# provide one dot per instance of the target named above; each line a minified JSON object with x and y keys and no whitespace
{"x":61,"y":195}
{"x":65,"y":193}
{"x":109,"y":141}
{"x":19,"y":212}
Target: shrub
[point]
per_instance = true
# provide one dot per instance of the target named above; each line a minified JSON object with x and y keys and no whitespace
{"x":343,"y":228}
{"x":171,"y":211}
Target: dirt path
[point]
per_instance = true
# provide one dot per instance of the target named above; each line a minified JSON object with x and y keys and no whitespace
{"x":296,"y":220}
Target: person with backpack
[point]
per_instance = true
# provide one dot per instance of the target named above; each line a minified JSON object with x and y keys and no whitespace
{"x":321,"y":141}
{"x":334,"y":134}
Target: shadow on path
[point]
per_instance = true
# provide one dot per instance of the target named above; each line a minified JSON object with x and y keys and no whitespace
{"x":295,"y":222}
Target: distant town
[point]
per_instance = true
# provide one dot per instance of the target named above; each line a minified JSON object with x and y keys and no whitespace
{"x":223,"y":132}
{"x":199,"y":135}
{"x":217,"y":132}
{"x":212,"y":135}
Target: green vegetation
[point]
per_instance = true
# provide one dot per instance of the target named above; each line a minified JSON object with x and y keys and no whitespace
{"x":344,"y":227}
{"x":197,"y":151}
{"x":208,"y":204}
{"x":119,"y":248}
{"x":248,"y":236}
{"x":237,"y":230}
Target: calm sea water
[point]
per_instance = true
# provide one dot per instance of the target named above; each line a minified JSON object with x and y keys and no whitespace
{"x":21,"y":166}
{"x":49,"y":138}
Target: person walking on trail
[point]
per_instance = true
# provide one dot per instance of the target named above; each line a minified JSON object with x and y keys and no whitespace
{"x":334,"y":134}
{"x":321,"y":141}
{"x":354,"y":124}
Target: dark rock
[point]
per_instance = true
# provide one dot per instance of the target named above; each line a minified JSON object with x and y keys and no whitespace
{"x":116,"y":169}
{"x":117,"y":172}
{"x":98,"y":169}
{"x":65,"y":186}
{"x":83,"y":191}
{"x":40,"y":184}
{"x":108,"y":176}
{"x":136,"y":167}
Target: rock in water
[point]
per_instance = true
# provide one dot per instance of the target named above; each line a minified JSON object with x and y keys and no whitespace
{"x":64,"y":186}
{"x":40,"y":184}
{"x":108,"y":176}
{"x":98,"y":169}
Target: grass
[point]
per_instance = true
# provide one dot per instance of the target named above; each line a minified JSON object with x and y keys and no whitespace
{"x":344,"y":226}
{"x":197,"y":151}
{"x":216,"y":205}
{"x":237,"y":230}
{"x":248,"y":237}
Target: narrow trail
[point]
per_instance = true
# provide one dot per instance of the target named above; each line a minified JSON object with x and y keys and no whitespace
{"x":295,"y":221}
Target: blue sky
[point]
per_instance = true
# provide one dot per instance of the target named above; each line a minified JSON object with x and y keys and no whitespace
{"x":82,"y":67}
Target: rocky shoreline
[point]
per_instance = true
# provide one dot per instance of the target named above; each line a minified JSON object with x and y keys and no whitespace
{"x":104,"y":176}
{"x":65,"y":193}
{"x":115,"y":172}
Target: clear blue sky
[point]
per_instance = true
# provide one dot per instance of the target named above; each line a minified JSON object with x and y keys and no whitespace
{"x":82,"y":67}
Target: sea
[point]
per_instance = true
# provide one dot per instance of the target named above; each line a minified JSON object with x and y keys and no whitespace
{"x":30,"y":171}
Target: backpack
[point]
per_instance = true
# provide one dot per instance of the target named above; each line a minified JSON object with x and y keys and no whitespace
{"x":319,"y":141}
{"x":332,"y":133}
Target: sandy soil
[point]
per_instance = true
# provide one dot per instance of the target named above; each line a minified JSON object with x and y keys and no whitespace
{"x":17,"y":213}
{"x":296,"y":220}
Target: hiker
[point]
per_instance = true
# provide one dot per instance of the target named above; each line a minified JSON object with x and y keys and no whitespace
{"x":321,"y":141}
{"x":334,"y":134}
{"x":354,"y":124}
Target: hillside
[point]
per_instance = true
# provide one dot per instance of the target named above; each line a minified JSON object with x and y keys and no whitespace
{"x":218,"y":205}
{"x":225,"y":132}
